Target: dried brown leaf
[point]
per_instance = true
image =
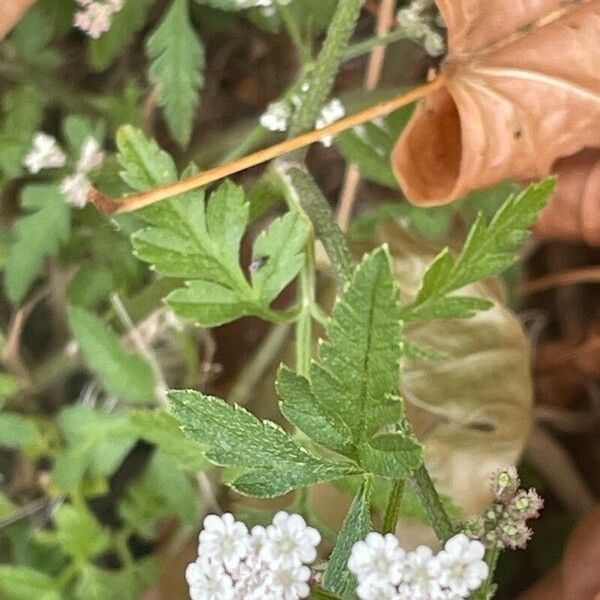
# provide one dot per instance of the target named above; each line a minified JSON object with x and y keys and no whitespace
{"x":10,"y":13}
{"x":573,"y":214}
{"x":522,"y":89}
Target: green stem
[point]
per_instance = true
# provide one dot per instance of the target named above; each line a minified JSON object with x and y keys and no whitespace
{"x":486,"y":591}
{"x":319,"y":212}
{"x":392,"y":511}
{"x":440,"y":521}
{"x":255,"y":370}
{"x":295,"y":34}
{"x":321,"y":594}
{"x":330,"y":58}
{"x":364,"y":47}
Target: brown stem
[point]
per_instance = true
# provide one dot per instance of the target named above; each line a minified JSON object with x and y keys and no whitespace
{"x":137,"y":201}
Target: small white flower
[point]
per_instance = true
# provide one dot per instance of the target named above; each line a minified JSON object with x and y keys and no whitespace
{"x":276,"y":117}
{"x":378,"y":559}
{"x":45,"y":153}
{"x":333,"y":111}
{"x":208,"y":581}
{"x":462,"y":566}
{"x":90,"y":155}
{"x":422,"y":575}
{"x":95,"y":17}
{"x":75,"y":189}
{"x":223,"y":540}
{"x":289,"y":541}
{"x":291,"y":582}
{"x":374,"y":590}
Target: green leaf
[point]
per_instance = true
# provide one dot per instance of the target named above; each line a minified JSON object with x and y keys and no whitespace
{"x":310,"y":415}
{"x":488,"y":250}
{"x":272,"y":462}
{"x":23,"y":583}
{"x":199,"y":241}
{"x":144,"y":164}
{"x":37,"y":235}
{"x":357,"y":525}
{"x":176,"y":70}
{"x":124,"y":374}
{"x":17,"y":431}
{"x":23,"y":110}
{"x":162,"y":492}
{"x":162,"y":429}
{"x":130,"y":19}
{"x":125,"y":584}
{"x":97,"y":443}
{"x":359,"y":362}
{"x":78,"y":532}
{"x":391,"y":455}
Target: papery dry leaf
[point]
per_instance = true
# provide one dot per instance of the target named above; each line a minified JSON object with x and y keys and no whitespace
{"x":472,"y":408}
{"x":573,"y":214}
{"x":10,"y":13}
{"x":522,"y":90}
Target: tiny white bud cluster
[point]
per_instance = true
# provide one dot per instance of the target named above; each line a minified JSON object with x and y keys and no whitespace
{"x":75,"y":187}
{"x":46,"y":153}
{"x":278,"y":114}
{"x":385,"y":571}
{"x":421,"y":23}
{"x":271,"y":562}
{"x":504,"y":522}
{"x":333,"y":111}
{"x":94,"y":17}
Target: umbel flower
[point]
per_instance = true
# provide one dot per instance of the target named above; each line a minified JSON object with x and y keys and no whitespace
{"x":271,"y":562}
{"x":385,"y":571}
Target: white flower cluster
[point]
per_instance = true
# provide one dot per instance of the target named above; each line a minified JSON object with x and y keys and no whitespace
{"x":271,"y":562}
{"x":94,"y":17}
{"x":421,"y":23}
{"x":277,"y":116}
{"x":45,"y":153}
{"x":386,"y":572}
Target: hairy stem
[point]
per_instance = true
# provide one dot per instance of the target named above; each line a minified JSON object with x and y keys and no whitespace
{"x":319,"y":212}
{"x":392,"y":510}
{"x":329,"y":61}
{"x":440,"y":521}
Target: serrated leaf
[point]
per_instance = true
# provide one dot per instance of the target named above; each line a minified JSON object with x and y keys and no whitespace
{"x":144,"y":164}
{"x":359,"y":362}
{"x":176,"y":70}
{"x":162,"y":429}
{"x":391,"y":455}
{"x":37,"y":235}
{"x":272,"y":462}
{"x":315,"y":419}
{"x":79,"y":533}
{"x":488,"y":250}
{"x":356,"y":525}
{"x":279,"y":251}
{"x":124,"y":374}
{"x":24,"y":583}
{"x":200,"y":241}
{"x":130,"y":19}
